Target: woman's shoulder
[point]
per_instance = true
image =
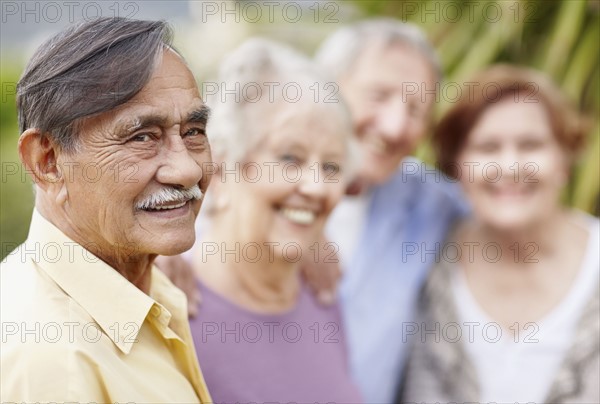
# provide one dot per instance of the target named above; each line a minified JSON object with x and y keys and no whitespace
{"x":591,"y":226}
{"x":446,"y":264}
{"x":586,"y":220}
{"x":310,"y":307}
{"x":216,"y":304}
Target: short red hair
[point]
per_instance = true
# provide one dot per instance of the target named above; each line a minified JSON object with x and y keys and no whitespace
{"x":521,"y":83}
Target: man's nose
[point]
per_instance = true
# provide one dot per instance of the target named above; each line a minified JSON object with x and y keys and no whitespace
{"x":179,"y":166}
{"x":393,"y":120}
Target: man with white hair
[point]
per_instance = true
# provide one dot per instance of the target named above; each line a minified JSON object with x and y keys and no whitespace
{"x":390,"y":226}
{"x":113,"y":135}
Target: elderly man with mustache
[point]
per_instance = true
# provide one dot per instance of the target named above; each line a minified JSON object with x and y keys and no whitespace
{"x":113,"y":135}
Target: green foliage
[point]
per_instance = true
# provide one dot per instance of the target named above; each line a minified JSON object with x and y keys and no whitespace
{"x":560,"y":38}
{"x":16,"y":192}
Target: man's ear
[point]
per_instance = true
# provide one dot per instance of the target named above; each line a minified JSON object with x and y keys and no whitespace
{"x":39,"y":155}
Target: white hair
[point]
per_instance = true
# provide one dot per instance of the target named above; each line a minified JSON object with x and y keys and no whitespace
{"x":258,"y":70}
{"x":341,"y":49}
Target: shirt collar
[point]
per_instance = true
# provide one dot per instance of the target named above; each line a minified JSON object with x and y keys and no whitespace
{"x":117,"y":306}
{"x":396,"y":195}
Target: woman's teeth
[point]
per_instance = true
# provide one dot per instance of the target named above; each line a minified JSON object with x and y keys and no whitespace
{"x":300,"y":216}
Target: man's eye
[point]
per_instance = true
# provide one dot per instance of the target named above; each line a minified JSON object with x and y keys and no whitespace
{"x":531,"y":145}
{"x":195,"y":132}
{"x":414,"y":110}
{"x":142,"y":137}
{"x":290,"y":158}
{"x":377,"y":96}
{"x":331,"y":167}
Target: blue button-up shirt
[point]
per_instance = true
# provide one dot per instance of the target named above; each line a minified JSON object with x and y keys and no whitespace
{"x":407,"y":221}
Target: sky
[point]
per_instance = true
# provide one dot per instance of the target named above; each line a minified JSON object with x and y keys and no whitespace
{"x":26,"y":24}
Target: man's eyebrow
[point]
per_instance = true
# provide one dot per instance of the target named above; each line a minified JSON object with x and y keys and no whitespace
{"x":200,"y":115}
{"x":140,"y":122}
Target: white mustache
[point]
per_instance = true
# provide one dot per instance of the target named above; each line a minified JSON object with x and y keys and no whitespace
{"x":169,"y":195}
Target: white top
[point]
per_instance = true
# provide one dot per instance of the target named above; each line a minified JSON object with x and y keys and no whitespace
{"x":520,"y":366}
{"x":346,"y":224}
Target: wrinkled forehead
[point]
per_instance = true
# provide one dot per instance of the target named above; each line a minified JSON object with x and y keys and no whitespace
{"x":390,"y":58}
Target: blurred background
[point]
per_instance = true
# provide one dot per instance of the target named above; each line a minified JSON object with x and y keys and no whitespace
{"x":561,"y":38}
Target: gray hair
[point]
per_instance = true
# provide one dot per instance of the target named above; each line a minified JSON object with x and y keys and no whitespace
{"x":342,"y":48}
{"x":253,"y":65}
{"x":89,"y":68}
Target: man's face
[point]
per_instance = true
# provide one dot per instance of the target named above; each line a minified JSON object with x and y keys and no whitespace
{"x":386,"y":92}
{"x":154,"y":142}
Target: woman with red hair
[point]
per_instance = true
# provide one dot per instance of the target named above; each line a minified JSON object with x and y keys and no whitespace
{"x":510,"y":312}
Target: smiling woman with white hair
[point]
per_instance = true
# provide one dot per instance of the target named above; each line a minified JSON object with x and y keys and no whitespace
{"x":282,"y":153}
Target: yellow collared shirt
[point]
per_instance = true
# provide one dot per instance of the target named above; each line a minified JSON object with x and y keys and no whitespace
{"x":74,"y":329}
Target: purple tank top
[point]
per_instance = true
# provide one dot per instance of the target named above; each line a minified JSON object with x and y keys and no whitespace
{"x":297,"y":356}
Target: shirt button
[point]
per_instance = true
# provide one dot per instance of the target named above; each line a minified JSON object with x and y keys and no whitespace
{"x":155,"y":311}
